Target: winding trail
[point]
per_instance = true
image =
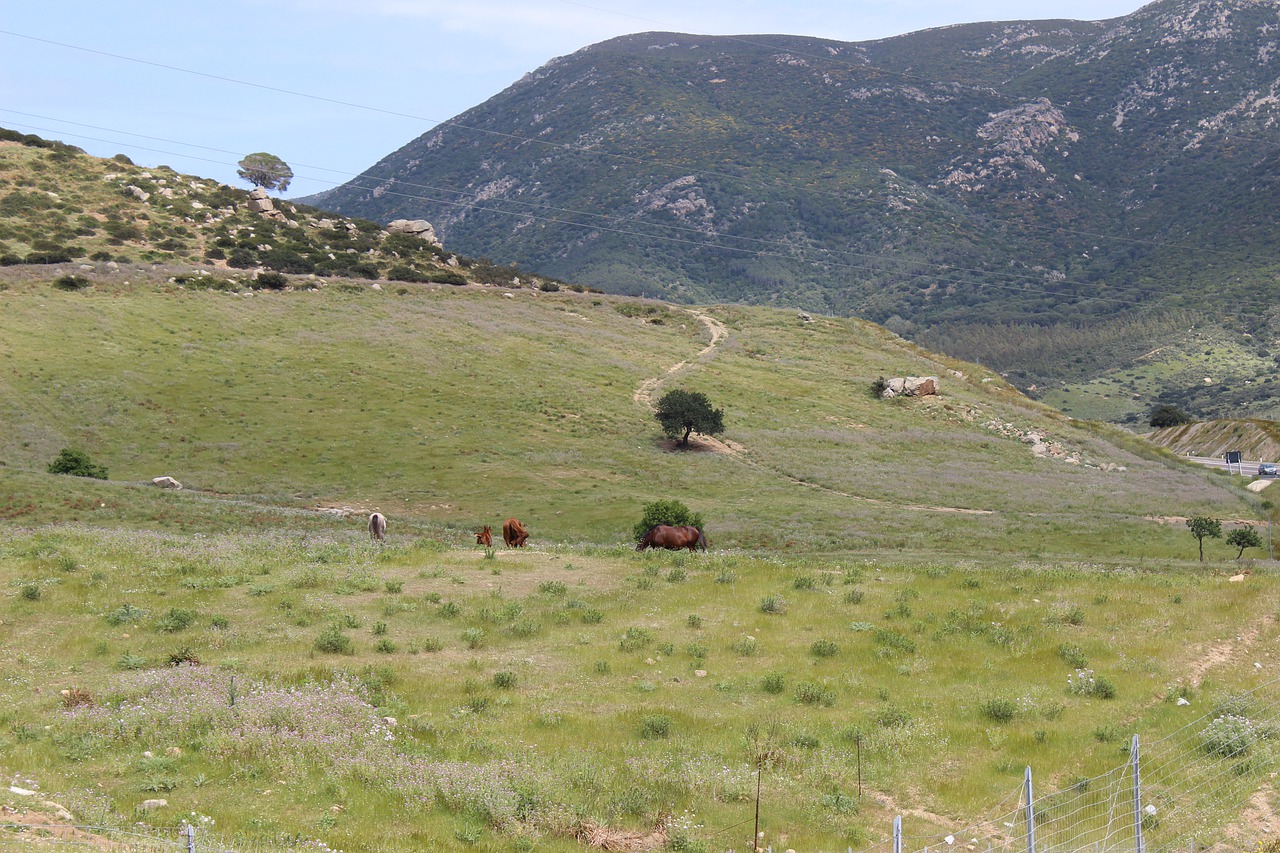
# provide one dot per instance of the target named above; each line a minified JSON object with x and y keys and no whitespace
{"x":644,"y":395}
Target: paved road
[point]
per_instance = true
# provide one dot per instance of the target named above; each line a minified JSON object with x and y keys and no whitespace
{"x":1248,"y":469}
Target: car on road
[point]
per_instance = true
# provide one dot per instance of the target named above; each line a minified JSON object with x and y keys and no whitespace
{"x":1268,"y":469}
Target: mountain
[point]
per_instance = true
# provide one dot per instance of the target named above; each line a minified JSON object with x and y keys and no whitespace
{"x":1054,"y":198}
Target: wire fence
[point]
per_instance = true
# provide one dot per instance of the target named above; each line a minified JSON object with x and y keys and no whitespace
{"x":1187,"y":791}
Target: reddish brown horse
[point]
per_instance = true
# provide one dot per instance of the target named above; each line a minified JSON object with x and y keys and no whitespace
{"x":673,"y":538}
{"x":514,"y":534}
{"x":485,"y":537}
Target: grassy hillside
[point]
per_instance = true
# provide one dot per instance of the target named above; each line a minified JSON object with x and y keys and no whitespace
{"x":463,"y":406}
{"x":906,"y":577}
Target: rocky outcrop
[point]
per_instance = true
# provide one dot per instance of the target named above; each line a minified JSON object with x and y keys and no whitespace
{"x":261,"y":204}
{"x":419,"y":228}
{"x":910,"y":386}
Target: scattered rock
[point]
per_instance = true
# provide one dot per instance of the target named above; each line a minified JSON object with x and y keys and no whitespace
{"x":173,"y":751}
{"x":152,"y":805}
{"x":1236,"y":579}
{"x":699,"y":673}
{"x":391,"y":721}
{"x":807,"y":318}
{"x":21,"y":792}
{"x":166,"y":483}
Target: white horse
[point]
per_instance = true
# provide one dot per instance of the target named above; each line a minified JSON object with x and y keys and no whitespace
{"x":377,"y":527}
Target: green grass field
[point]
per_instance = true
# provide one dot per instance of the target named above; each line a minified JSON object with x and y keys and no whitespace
{"x":902,"y":578}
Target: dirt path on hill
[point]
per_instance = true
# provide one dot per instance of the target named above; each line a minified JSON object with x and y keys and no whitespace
{"x":644,"y":395}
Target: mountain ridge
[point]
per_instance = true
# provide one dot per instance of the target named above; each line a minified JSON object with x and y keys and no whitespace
{"x":1044,"y":173}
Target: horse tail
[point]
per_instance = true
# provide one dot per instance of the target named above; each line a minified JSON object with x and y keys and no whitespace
{"x":702,"y":539}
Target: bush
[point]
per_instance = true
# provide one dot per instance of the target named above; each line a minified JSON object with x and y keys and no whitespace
{"x":1229,"y":736}
{"x":175,"y":620}
{"x":1167,"y":415}
{"x":31,"y":592}
{"x":773,"y":682}
{"x":446,"y":277}
{"x":824,"y":649}
{"x":71,"y":282}
{"x":877,"y":387}
{"x":775,"y":604}
{"x":671,"y":512}
{"x":76,"y":463}
{"x":333,"y":641}
{"x":271,"y":281}
{"x":655,"y":726}
{"x":504,"y":680}
{"x":813,"y":693}
{"x":125,"y":614}
{"x":51,"y":256}
{"x":1000,"y":708}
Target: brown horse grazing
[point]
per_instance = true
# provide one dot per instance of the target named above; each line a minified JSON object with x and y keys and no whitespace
{"x":378,"y":527}
{"x":514,"y":534}
{"x":485,"y":537}
{"x":673,"y":538}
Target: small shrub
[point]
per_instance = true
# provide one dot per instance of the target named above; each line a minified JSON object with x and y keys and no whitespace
{"x":552,"y":588}
{"x":271,"y":281}
{"x":676,"y":576}
{"x":745,"y":647}
{"x":591,"y":616}
{"x":999,"y":708}
{"x":655,"y":726}
{"x":30,"y":592}
{"x":77,"y":464}
{"x":1073,"y":655}
{"x":726,"y":576}
{"x":175,"y":620}
{"x":333,"y":641}
{"x":379,"y":629}
{"x":125,"y":614}
{"x":813,"y":693}
{"x":602,"y":667}
{"x":694,"y":621}
{"x":385,"y":646}
{"x":824,"y":649}
{"x":774,"y":604}
{"x":183,"y":656}
{"x":130,"y":661}
{"x":804,"y":582}
{"x":219,"y":622}
{"x":1229,"y":736}
{"x":853,"y":596}
{"x":634,"y":639}
{"x":697,"y":651}
{"x":1083,"y":682}
{"x":892,"y":717}
{"x":473,"y":638}
{"x":773,"y":682}
{"x":449,"y":609}
{"x":394,"y":587}
{"x":71,"y":283}
{"x":504,"y":680}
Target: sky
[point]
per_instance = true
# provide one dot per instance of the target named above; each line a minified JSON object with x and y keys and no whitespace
{"x":332,"y":86}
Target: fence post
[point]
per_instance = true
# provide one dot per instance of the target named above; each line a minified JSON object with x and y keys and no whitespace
{"x":1031,"y":814}
{"x":1139,"y":845}
{"x":897,"y":834}
{"x":191,"y":839}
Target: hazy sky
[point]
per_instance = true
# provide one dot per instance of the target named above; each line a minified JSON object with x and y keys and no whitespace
{"x":332,"y":86}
